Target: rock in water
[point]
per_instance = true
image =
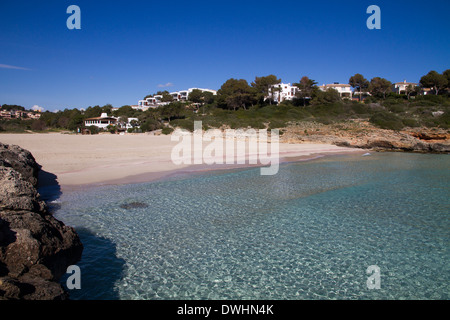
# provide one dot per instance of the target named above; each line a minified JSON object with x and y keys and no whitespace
{"x":35,"y":248}
{"x":133,"y":205}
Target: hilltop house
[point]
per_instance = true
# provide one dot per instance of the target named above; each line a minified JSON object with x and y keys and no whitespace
{"x":400,"y":87}
{"x":281,"y":92}
{"x":155,"y":101}
{"x":19,"y":114}
{"x":285,"y":91}
{"x":345,"y":90}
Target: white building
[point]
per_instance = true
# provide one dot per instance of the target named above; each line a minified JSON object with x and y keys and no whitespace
{"x":281,"y":92}
{"x":183,"y":95}
{"x":128,"y":124}
{"x":104,"y":120}
{"x":345,"y":90}
{"x":151,"y":102}
{"x":401,"y":87}
{"x":100,"y":122}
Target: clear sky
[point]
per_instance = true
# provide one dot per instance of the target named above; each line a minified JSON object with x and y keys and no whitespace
{"x":128,"y":49}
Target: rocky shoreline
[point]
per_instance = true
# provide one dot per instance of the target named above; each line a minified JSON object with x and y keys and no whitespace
{"x":361,"y":134}
{"x":35,"y":248}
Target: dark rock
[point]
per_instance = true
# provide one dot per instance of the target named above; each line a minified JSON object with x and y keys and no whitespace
{"x":17,"y":193}
{"x":20,"y":160}
{"x":35,"y":248}
{"x":133,"y":205}
{"x":439,"y":147}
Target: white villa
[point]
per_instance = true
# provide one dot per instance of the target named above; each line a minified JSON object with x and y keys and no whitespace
{"x":345,"y":90}
{"x":285,"y":91}
{"x":100,"y":122}
{"x":400,"y":87}
{"x":155,"y":101}
{"x":281,"y":92}
{"x":104,"y":120}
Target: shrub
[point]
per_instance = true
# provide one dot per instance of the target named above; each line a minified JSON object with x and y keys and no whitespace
{"x":370,"y":99}
{"x":275,"y":124}
{"x":443,"y":121}
{"x":38,"y":125}
{"x":167,"y":130}
{"x":93,"y":129}
{"x":387,"y":120}
{"x":186,"y":124}
{"x":410,"y":123}
{"x":150,"y":125}
{"x":111,"y":128}
{"x":396,"y":108}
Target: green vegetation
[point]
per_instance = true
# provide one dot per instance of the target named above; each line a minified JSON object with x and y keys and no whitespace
{"x":394,"y":113}
{"x":166,"y":130}
{"x":239,"y":104}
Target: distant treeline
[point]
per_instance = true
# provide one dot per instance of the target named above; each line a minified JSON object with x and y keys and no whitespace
{"x":241,"y":105}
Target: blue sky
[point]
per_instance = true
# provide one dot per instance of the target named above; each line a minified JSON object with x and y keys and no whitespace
{"x":128,"y":49}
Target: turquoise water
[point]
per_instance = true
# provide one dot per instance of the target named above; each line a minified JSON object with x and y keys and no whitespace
{"x":309,"y":232}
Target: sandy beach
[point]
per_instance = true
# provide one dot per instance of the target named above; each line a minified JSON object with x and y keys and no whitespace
{"x":104,"y":159}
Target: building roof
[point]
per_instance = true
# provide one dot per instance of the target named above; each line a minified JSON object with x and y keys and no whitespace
{"x":341,"y":85}
{"x":101,"y":118}
{"x":408,"y":83}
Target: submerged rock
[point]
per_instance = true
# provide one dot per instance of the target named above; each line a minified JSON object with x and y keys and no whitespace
{"x":35,"y":248}
{"x":133,"y":205}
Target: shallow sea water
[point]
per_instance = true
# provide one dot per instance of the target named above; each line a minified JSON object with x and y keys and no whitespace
{"x":309,"y":232}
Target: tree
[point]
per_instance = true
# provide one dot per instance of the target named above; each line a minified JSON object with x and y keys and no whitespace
{"x":236,"y":94}
{"x":306,"y":87}
{"x":359,"y":82}
{"x":9,"y":107}
{"x":126,"y":110}
{"x":63,"y":122}
{"x":38,"y":125}
{"x":410,"y":89}
{"x":123,"y":120}
{"x":196,"y":96}
{"x":201,"y":97}
{"x":379,"y":87}
{"x":166,"y":97}
{"x":173,"y":111}
{"x":326,"y":97}
{"x":107,"y":108}
{"x":92,"y":112}
{"x":262,"y":85}
{"x":134,"y":123}
{"x":435,"y":81}
{"x":111,"y":128}
{"x":446,"y":73}
{"x":76,"y":120}
{"x":208,"y":97}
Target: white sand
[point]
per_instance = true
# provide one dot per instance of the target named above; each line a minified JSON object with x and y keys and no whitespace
{"x":107,"y":158}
